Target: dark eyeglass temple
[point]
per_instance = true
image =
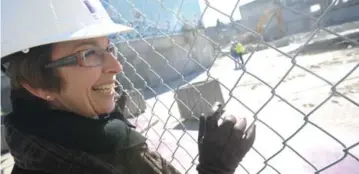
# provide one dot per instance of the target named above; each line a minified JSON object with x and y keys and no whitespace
{"x":62,"y":62}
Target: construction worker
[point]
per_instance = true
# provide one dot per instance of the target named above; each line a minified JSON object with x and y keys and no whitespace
{"x":237,"y":50}
{"x":65,"y":119}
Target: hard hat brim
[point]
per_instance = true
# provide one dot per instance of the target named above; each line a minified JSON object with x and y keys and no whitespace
{"x":87,"y":32}
{"x":99,"y":30}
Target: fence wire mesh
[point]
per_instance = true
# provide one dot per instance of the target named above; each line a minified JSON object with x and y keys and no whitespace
{"x":301,"y":88}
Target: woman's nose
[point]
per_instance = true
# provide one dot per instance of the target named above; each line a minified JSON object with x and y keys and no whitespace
{"x":111,"y":64}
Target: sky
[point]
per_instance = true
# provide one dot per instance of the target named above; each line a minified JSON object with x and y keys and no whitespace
{"x":226,"y":6}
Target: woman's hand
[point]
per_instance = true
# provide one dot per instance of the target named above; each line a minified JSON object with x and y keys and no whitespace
{"x":222,"y":147}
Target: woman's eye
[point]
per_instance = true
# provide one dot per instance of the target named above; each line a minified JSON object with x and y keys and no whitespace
{"x":90,"y":53}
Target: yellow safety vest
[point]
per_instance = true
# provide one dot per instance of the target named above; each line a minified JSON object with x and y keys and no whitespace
{"x":239,"y":48}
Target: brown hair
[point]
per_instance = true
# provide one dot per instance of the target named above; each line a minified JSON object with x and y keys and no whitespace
{"x":29,"y":68}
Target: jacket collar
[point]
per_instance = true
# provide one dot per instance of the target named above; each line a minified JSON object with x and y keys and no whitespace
{"x":71,"y":130}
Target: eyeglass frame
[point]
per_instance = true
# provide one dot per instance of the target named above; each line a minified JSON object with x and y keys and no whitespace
{"x":78,"y":58}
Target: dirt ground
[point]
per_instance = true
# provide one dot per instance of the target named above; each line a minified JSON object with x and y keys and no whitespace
{"x":304,"y":120}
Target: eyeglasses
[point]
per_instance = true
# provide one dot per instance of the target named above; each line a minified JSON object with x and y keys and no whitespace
{"x":87,"y":58}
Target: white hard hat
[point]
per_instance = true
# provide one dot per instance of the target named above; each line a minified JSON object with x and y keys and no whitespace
{"x":31,"y":23}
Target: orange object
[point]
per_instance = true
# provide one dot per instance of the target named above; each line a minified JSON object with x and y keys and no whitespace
{"x":268,"y":14}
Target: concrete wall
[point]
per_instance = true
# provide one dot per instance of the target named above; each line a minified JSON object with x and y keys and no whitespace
{"x":222,"y":35}
{"x":293,"y":22}
{"x":343,"y":12}
{"x":155,"y":56}
{"x":150,"y":17}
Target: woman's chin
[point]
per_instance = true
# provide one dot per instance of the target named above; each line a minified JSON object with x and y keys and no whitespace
{"x":106,"y":108}
{"x":109,"y":109}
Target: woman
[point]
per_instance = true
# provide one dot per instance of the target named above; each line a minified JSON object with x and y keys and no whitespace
{"x":65,"y":117}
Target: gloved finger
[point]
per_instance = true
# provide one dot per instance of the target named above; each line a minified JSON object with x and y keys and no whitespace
{"x":239,"y":129}
{"x":249,"y":138}
{"x":202,"y":127}
{"x":212,"y":119}
{"x":225,"y":129}
{"x":236,"y":145}
{"x":237,"y":135}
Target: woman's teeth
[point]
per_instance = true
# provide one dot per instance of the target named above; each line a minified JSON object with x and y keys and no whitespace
{"x":105,"y":88}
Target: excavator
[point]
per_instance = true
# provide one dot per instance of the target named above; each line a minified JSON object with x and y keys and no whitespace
{"x":277,"y":12}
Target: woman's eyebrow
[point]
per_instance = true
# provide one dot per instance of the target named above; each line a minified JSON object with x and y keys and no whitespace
{"x":91,"y":43}
{"x":88,"y":42}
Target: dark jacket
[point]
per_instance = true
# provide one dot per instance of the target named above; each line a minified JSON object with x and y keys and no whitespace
{"x":47,"y":141}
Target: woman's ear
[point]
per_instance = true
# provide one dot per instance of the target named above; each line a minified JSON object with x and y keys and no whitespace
{"x":38,"y":92}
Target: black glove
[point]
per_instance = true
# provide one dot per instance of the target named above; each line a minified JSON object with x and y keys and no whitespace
{"x":221,"y":148}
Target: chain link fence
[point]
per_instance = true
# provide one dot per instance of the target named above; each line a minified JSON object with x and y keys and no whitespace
{"x":301,"y":89}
